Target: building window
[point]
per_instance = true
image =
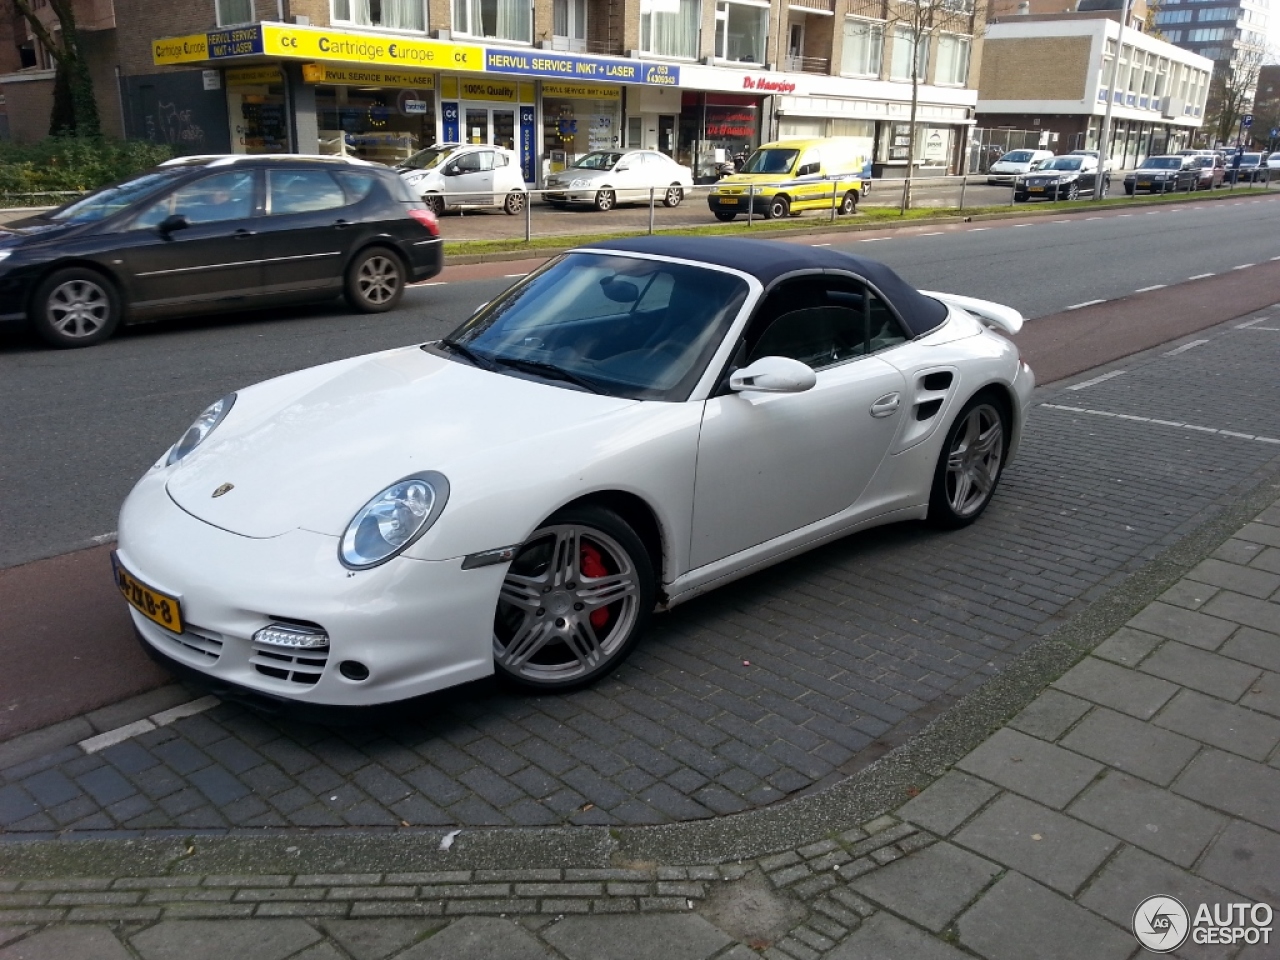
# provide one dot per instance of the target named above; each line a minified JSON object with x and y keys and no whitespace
{"x":904,"y":40}
{"x":1173,"y":16}
{"x":497,"y":19}
{"x":234,"y":11}
{"x":391,"y":14}
{"x":953,"y":60}
{"x":569,"y":22}
{"x":863,"y":48}
{"x":669,"y":28}
{"x":742,"y":27}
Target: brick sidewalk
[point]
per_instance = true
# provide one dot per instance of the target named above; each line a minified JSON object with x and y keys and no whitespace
{"x":1152,"y":766}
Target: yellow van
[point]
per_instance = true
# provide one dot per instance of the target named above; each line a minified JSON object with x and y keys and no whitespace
{"x":793,"y":175}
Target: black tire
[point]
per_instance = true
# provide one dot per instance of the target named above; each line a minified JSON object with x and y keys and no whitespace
{"x":375,"y":280}
{"x":974,"y":448}
{"x":724,"y":216}
{"x":779,"y":209}
{"x":848,"y":204}
{"x":558,"y":623}
{"x":435,"y":203}
{"x":514,"y":203}
{"x":1128,"y":191}
{"x":673,"y":196}
{"x":1020,"y":197}
{"x":606,"y":200}
{"x":75,"y":307}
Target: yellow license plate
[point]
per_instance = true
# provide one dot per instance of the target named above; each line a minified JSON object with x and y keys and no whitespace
{"x":153,"y":604}
{"x":1144,"y":183}
{"x":1036,"y":189}
{"x":728,"y":201}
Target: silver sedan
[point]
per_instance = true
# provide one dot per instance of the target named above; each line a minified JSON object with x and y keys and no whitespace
{"x":606,"y":178}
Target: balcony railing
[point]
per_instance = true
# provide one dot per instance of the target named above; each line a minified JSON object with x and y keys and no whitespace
{"x":807,"y":65}
{"x":572,"y":45}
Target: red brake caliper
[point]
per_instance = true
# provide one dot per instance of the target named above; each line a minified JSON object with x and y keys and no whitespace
{"x":593,"y":566}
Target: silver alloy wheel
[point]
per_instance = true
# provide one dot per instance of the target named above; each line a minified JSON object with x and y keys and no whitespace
{"x":605,"y":200}
{"x":78,"y":308}
{"x":673,"y":197}
{"x":514,"y":202}
{"x":543,"y":629}
{"x":379,"y":279}
{"x":973,"y":462}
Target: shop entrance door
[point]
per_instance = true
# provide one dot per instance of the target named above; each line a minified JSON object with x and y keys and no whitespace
{"x":667,"y":135}
{"x":495,"y":125}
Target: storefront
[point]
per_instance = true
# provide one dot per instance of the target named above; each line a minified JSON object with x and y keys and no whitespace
{"x":717,"y":129}
{"x":578,"y":118}
{"x":257,"y":110}
{"x":373,"y":114}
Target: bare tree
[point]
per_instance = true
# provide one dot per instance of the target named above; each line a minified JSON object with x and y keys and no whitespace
{"x":921,"y":23}
{"x":1231,"y":92}
{"x":74,"y":108}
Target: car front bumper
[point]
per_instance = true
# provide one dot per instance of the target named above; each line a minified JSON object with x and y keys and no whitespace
{"x":417,"y":626}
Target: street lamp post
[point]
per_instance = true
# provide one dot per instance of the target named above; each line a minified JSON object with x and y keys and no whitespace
{"x":1105,"y":133}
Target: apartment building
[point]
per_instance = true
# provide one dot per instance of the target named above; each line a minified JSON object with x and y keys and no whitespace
{"x":700,"y":80}
{"x":1055,"y":72}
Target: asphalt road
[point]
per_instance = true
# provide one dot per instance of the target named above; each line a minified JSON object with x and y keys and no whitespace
{"x":81,"y":426}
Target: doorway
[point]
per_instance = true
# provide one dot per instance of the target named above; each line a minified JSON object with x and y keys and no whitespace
{"x":667,"y":134}
{"x":495,"y":125}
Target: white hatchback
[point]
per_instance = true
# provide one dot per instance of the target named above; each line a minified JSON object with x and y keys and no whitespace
{"x":450,"y":176}
{"x":1017,"y":163}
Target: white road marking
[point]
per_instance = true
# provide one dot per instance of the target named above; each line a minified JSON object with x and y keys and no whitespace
{"x":1064,"y":221}
{"x":1152,"y":213}
{"x":1087,"y":303}
{"x":162,"y":719}
{"x":1024,"y":224}
{"x":431,"y":283}
{"x":1093,"y":218}
{"x":1156,"y":286}
{"x":1123,"y":215}
{"x":1275,"y":258}
{"x":510,"y":275}
{"x":1164,"y":423}
{"x":1184,"y":348}
{"x":821,"y":244}
{"x":980,"y":229}
{"x":1096,"y":380}
{"x":1250,"y":323}
{"x":1200,"y":276}
{"x":936,"y":233}
{"x":1244,"y":266}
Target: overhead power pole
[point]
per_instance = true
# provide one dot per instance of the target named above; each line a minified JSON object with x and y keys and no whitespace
{"x":1104,"y":137}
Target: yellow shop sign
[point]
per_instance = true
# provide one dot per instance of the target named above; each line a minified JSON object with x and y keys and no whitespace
{"x":316,"y":43}
{"x":327,"y":73}
{"x":188,"y":49}
{"x":499,"y":90}
{"x":253,"y":76}
{"x":580,"y":91}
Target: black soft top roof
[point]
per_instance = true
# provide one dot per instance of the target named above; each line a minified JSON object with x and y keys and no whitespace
{"x":770,"y":260}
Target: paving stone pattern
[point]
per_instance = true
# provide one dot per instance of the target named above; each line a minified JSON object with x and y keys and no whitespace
{"x":781,"y":684}
{"x":989,"y":861}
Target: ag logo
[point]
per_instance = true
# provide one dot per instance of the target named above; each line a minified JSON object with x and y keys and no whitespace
{"x":1161,"y":924}
{"x":224,"y":488}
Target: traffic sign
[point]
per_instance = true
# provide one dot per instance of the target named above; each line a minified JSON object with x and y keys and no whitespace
{"x":1247,"y":120}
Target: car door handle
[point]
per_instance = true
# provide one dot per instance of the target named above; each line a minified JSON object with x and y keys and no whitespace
{"x":243,"y":234}
{"x":886,"y":406}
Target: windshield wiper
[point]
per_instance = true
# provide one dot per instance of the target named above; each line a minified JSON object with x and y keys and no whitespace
{"x":550,"y":369}
{"x":476,"y":359}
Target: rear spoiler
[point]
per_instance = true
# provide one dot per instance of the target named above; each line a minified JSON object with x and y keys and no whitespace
{"x":992,"y":315}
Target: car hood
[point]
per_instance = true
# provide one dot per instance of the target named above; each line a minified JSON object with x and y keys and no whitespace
{"x":1010,"y":167}
{"x":1053,"y":175}
{"x":310,"y":457}
{"x":570,"y":174}
{"x":35,"y":230}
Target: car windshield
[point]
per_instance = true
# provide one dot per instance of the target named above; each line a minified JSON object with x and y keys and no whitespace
{"x":776,"y":160}
{"x":1166,"y":163}
{"x":428,"y":158}
{"x":1202,"y":161}
{"x":1017,"y":156}
{"x":1062,"y":163}
{"x":600,"y":160}
{"x":111,"y":200}
{"x":615,"y":324}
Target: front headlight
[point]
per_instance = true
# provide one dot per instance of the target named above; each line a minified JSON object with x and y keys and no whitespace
{"x":580,"y":182}
{"x":392,"y":520}
{"x":204,"y":425}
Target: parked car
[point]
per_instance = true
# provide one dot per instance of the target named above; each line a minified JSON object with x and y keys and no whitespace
{"x":605,"y":178}
{"x":1252,"y":169}
{"x":1063,"y":178}
{"x":1017,"y":163}
{"x":1162,"y":174}
{"x":454,"y":176}
{"x":619,"y":429}
{"x":1213,"y":171}
{"x":784,"y":178}
{"x":212,"y":233}
{"x":1108,"y":166}
{"x":1273,"y":163}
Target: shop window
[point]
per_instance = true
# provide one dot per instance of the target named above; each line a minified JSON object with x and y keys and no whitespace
{"x":669,"y":28}
{"x":904,"y":41}
{"x":569,"y":23}
{"x":302,"y":191}
{"x":383,"y":124}
{"x":742,"y":28}
{"x":863,"y":48}
{"x":234,"y":11}
{"x":497,"y":19}
{"x":953,"y":60}
{"x":390,"y":14}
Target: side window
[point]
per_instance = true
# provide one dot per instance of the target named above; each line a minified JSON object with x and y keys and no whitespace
{"x":302,"y":191}
{"x":358,"y":184}
{"x":821,"y":321}
{"x":470,"y":162}
{"x":224,"y":196}
{"x":486,"y":160}
{"x":810,"y":164}
{"x":501,"y":160}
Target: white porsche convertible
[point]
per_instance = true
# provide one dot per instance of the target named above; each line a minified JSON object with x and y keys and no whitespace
{"x":633,"y":424}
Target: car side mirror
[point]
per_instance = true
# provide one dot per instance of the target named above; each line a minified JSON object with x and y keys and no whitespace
{"x":451,"y":170}
{"x":622,"y":167}
{"x":173,"y":222}
{"x":774,"y":375}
